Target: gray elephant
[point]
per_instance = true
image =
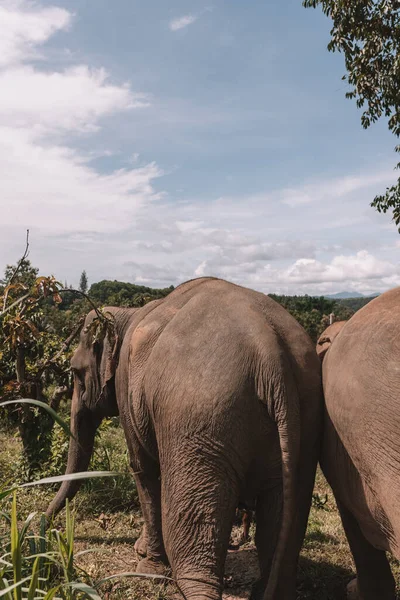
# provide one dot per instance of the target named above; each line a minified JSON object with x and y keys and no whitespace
{"x":219,"y":394}
{"x":361,"y":445}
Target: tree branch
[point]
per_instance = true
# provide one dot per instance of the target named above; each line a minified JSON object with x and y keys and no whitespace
{"x":92,"y":304}
{"x":64,"y":347}
{"x":17,"y":268}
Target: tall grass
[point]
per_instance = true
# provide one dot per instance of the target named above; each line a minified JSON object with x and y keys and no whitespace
{"x":42,"y":565}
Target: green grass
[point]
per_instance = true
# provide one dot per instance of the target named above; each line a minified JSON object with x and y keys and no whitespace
{"x":108,"y":520}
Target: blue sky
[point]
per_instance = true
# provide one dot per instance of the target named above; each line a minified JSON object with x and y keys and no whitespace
{"x":158,"y":141}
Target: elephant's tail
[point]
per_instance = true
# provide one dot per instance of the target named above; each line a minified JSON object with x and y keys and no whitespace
{"x":284,"y":410}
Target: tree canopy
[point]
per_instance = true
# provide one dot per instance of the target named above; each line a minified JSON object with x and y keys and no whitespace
{"x":367,"y":32}
{"x":118,"y":293}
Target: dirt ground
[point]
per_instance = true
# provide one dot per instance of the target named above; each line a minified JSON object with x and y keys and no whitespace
{"x":106,"y":529}
{"x":117,"y":555}
{"x":325,"y":567}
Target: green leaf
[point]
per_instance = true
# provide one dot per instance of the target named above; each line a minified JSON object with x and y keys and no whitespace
{"x":71,"y":477}
{"x":6,"y":591}
{"x":4,"y":586}
{"x":25,"y":526}
{"x":16,"y":555}
{"x":6,"y":493}
{"x":51,"y":593}
{"x":69,"y":532}
{"x":133,"y":574}
{"x":34,"y":581}
{"x":86,"y":589}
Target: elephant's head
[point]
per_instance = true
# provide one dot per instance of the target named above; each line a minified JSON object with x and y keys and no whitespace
{"x":326,"y":339}
{"x":94,"y":364}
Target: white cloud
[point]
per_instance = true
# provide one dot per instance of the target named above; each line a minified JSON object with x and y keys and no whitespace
{"x":54,"y":190}
{"x":182,"y":22}
{"x":71,"y":100}
{"x":337,"y":188}
{"x":50,"y":185}
{"x":361,"y":272}
{"x":360,"y":266}
{"x":268,"y":246}
{"x":26,"y":25}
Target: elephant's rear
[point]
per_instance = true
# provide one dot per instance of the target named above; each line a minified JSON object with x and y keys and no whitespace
{"x":242,"y":394}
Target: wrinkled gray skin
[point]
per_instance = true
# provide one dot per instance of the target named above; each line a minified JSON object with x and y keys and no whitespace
{"x":361,"y":446}
{"x":219,"y":393}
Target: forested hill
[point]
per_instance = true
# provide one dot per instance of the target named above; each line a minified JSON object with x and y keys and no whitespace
{"x":355,"y":304}
{"x":313,"y":312}
{"x":118,"y":293}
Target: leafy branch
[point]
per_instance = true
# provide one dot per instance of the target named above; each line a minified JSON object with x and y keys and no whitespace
{"x":367,"y":33}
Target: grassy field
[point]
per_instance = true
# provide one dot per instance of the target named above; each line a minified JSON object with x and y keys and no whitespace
{"x":108,"y":521}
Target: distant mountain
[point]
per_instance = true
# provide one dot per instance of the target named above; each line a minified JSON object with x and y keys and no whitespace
{"x":346,"y":295}
{"x":343,"y":295}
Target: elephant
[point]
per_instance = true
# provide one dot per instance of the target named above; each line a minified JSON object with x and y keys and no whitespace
{"x":219,"y":394}
{"x":361,"y":440}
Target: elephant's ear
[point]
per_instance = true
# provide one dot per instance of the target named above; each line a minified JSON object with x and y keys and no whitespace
{"x":323,"y":345}
{"x":109,"y":358}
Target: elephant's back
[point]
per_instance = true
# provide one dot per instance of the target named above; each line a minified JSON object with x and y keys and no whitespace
{"x":211,"y":342}
{"x":250,"y":309}
{"x":214,"y":326}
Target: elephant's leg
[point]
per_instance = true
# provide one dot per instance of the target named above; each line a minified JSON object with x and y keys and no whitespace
{"x":374,"y":577}
{"x":150,"y":542}
{"x":199,"y":498}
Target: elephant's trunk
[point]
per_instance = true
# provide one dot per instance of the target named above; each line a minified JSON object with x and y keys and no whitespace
{"x":84,"y":424}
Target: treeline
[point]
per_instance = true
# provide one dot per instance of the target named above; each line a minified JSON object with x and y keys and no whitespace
{"x":313,"y":312}
{"x":118,"y":293}
{"x":354,"y":304}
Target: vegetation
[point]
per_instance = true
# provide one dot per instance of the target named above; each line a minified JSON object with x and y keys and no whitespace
{"x":313,"y":312}
{"x":117,"y":293}
{"x":40,"y":324}
{"x":39,"y":564}
{"x":367,"y":32}
{"x":34,"y":358}
{"x":83,"y":283}
{"x":353,"y":304}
